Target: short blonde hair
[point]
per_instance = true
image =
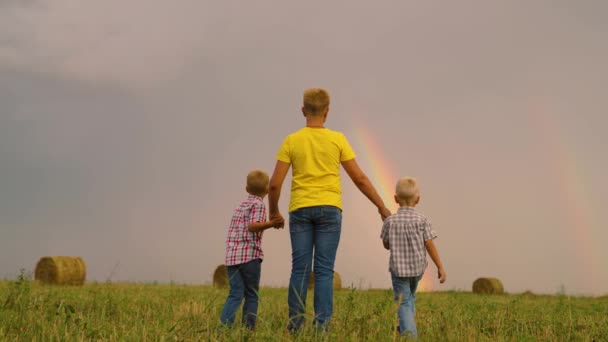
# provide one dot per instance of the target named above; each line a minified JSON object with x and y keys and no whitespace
{"x":316,"y":100}
{"x":257,"y":182}
{"x":407,"y":190}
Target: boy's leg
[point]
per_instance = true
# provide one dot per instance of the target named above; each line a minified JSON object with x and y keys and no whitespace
{"x":302,"y":234}
{"x":328,"y":224}
{"x":413,"y":287}
{"x":235,"y":296}
{"x":402,"y":288}
{"x":250,"y":272}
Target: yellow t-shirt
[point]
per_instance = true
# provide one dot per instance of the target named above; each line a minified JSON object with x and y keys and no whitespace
{"x":315,"y":155}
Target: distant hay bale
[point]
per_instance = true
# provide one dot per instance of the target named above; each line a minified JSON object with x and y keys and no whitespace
{"x":488,"y":285}
{"x":61,"y":270}
{"x":220,"y":276}
{"x":337,"y":281}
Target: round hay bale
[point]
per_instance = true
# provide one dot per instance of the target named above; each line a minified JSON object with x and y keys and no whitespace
{"x":61,"y":270}
{"x":488,"y":285}
{"x":337,"y":281}
{"x":220,"y":276}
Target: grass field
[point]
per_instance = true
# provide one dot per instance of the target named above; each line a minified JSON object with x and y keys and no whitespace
{"x":139,"y":312}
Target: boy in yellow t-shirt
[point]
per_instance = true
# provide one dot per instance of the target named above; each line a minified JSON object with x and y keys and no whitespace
{"x":315,"y":154}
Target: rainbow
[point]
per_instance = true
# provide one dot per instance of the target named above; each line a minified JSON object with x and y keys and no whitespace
{"x":383,"y":177}
{"x":573,"y":191}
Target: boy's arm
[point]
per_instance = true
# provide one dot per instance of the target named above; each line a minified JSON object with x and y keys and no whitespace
{"x":430,"y":248}
{"x":258,"y":219}
{"x":274,"y":189}
{"x":261,"y":226}
{"x":365,"y":186}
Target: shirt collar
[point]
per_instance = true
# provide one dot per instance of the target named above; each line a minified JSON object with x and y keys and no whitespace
{"x":252,"y":197}
{"x":405,"y":208}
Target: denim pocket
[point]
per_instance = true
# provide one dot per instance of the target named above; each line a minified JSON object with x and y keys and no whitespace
{"x":299,"y":221}
{"x":330,"y":219}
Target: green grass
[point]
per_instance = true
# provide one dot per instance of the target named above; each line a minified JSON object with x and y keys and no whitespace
{"x":139,"y":312}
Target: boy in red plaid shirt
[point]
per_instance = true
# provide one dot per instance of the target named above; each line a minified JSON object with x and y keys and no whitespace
{"x":244,"y":251}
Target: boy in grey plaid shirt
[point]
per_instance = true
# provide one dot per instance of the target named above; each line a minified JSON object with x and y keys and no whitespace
{"x":408,"y":235}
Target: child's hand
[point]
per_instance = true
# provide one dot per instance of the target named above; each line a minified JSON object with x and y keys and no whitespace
{"x":277,"y":222}
{"x":441,"y":275}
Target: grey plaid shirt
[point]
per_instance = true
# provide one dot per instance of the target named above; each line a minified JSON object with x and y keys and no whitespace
{"x":406,"y":231}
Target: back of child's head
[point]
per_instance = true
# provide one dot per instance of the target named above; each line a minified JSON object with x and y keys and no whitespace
{"x":407,"y":190}
{"x":257,"y":182}
{"x":316,"y":100}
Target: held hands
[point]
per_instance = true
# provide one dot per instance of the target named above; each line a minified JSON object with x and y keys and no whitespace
{"x":278,"y":222}
{"x":441,"y":275}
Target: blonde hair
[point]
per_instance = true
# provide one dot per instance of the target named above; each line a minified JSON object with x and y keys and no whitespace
{"x":316,"y":100}
{"x":257,"y":182}
{"x":407,"y":190}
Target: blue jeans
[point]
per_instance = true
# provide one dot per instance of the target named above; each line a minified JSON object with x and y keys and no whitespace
{"x":244,"y":280}
{"x":313,"y":229}
{"x":404,"y":289}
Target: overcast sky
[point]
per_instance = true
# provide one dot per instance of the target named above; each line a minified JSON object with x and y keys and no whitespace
{"x":127,"y":129}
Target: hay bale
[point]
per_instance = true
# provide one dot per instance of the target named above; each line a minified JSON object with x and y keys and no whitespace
{"x":488,"y":285}
{"x":337,"y":281}
{"x":220,"y":276}
{"x":61,"y":270}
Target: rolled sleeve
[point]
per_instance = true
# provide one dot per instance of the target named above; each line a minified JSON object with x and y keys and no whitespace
{"x":384,"y":233}
{"x":258,"y":213}
{"x":428,"y":232}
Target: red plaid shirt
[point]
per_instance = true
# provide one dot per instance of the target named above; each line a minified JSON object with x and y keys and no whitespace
{"x":241,"y":244}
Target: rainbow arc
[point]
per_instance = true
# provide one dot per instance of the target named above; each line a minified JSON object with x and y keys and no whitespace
{"x":384,"y":179}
